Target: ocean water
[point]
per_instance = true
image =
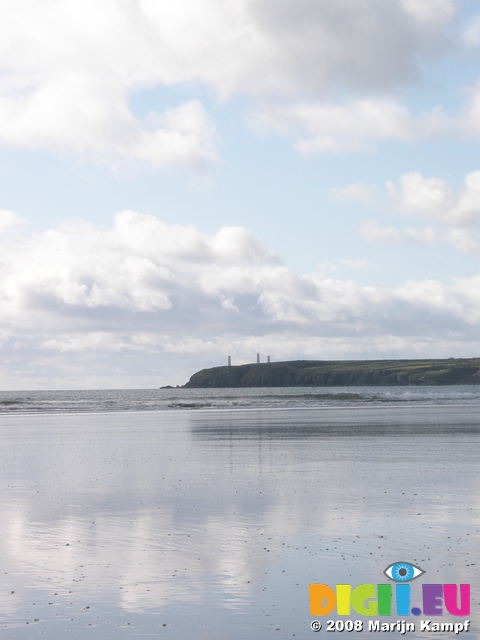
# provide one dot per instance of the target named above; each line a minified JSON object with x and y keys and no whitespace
{"x":206,"y":514}
{"x":256,"y":398}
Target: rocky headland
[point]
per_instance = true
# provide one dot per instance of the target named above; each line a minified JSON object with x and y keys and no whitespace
{"x":340,"y":373}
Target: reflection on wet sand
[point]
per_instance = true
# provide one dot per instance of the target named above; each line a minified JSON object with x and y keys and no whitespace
{"x":329,"y":422}
{"x":212,"y":524}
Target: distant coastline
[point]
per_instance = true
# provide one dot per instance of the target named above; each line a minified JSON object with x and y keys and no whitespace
{"x":340,"y":373}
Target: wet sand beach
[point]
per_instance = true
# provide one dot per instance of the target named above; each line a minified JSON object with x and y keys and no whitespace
{"x":211,"y":524}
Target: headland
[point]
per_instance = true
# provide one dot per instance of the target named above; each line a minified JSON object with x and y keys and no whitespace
{"x":340,"y":373}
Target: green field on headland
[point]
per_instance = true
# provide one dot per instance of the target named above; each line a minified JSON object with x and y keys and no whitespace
{"x":340,"y":373}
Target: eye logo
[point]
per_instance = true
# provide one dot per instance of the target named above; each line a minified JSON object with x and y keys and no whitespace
{"x":403,"y":571}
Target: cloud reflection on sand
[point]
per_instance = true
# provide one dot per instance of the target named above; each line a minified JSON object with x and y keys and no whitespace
{"x":214,"y":518}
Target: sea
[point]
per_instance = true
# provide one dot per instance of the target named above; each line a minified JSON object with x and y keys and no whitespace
{"x":208,"y":513}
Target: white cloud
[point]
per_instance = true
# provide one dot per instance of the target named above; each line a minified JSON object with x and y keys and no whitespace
{"x":140,"y":265}
{"x":471,"y":33}
{"x":266,"y":46}
{"x":143,"y":300}
{"x":69,"y":67}
{"x":435,"y":198}
{"x":371,"y":231}
{"x":358,"y":191}
{"x":422,"y":195}
{"x":431,"y":11}
{"x":463,"y":240}
{"x":90,"y":116}
{"x":456,"y":215}
{"x":360,"y":124}
{"x":354,"y":127}
{"x":469,"y":119}
{"x":9,"y":221}
{"x":97,"y":340}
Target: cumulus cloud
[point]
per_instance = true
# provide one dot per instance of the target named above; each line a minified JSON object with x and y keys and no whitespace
{"x":90,"y":117}
{"x":136,"y":266}
{"x":260,"y":47}
{"x":455,"y":214}
{"x":354,"y":127}
{"x":422,"y":195}
{"x":154,"y":299}
{"x":9,"y":221}
{"x":431,"y":197}
{"x":463,"y":240}
{"x":69,"y":67}
{"x":458,"y":211}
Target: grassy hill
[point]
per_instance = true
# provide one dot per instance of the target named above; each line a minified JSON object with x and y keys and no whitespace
{"x":339,"y":373}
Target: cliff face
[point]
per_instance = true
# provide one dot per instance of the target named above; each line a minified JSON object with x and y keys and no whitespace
{"x":322,"y":373}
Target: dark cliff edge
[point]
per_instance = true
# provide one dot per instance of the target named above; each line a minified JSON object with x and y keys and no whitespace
{"x":340,"y":373}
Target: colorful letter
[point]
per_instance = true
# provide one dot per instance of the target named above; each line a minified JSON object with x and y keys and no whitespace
{"x":360,"y":596}
{"x":450,"y":591}
{"x":402,"y":594}
{"x":343,"y":599}
{"x":322,"y":599}
{"x":432,"y":599}
{"x":384,"y":595}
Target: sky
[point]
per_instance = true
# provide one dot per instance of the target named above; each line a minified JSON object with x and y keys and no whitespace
{"x":181,"y":182}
